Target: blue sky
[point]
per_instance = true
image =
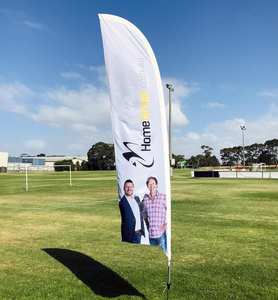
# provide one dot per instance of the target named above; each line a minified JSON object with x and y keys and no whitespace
{"x":220,"y":55}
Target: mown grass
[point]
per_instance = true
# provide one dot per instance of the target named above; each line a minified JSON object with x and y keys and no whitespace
{"x":225,"y":239}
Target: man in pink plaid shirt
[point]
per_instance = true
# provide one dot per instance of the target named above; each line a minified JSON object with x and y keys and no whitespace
{"x":155,"y":208}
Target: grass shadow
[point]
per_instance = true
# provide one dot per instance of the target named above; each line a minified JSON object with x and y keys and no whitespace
{"x":100,"y":279}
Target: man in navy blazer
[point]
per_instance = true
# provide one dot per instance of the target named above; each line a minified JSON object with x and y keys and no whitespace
{"x":131,"y":208}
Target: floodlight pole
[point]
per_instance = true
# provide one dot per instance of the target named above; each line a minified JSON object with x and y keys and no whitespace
{"x":170,"y":89}
{"x":243,"y":128}
{"x":169,"y":279}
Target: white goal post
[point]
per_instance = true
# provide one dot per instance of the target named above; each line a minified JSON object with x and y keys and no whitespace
{"x":27,"y":174}
{"x":70,"y":177}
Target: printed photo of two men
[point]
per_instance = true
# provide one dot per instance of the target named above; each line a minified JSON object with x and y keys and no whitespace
{"x":144,"y":221}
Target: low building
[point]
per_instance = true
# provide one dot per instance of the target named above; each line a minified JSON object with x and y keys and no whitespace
{"x":16,"y":163}
{"x":39,"y":163}
{"x":3,"y":161}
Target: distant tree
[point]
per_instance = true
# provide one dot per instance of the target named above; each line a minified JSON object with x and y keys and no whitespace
{"x":3,"y":170}
{"x":25,"y":155}
{"x":206,"y":159}
{"x":231,"y":156}
{"x":178,"y":158}
{"x":266,"y":157}
{"x":84,"y":166}
{"x":65,"y":164}
{"x":101,"y":157}
{"x":252,"y":153}
{"x":207,"y":150}
{"x":256,"y":153}
{"x":41,"y":155}
{"x":195,"y":161}
{"x":271,"y":143}
{"x":272,"y":149}
{"x":214,"y":162}
{"x":77,"y":166}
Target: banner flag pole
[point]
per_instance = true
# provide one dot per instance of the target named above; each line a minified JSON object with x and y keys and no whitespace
{"x":169,"y":279}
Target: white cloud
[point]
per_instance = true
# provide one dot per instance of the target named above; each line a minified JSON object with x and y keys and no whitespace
{"x":215,"y":104}
{"x":182,"y":91}
{"x":181,"y":88}
{"x":83,"y":127}
{"x":87,"y":108}
{"x":21,"y":18}
{"x":72,"y":75}
{"x":99,"y":71}
{"x":272,"y":93}
{"x":84,"y":110}
{"x":101,"y":74}
{"x":84,"y":113}
{"x":36,"y":144}
{"x":193,"y":136}
{"x":34,"y":25}
{"x":80,"y":147}
{"x":227,"y":134}
{"x":178,"y":116}
{"x":14,"y":97}
{"x":56,"y":115}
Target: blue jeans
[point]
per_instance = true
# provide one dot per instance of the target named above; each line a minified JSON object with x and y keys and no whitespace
{"x":161,"y":241}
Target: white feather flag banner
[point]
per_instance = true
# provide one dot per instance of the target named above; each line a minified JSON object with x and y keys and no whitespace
{"x":140,"y":134}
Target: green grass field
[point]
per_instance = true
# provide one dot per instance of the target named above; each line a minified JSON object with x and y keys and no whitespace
{"x":225,"y":239}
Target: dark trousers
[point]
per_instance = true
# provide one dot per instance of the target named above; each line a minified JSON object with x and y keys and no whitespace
{"x":136,"y":237}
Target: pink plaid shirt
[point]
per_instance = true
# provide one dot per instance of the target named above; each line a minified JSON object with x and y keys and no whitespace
{"x":156,"y":212}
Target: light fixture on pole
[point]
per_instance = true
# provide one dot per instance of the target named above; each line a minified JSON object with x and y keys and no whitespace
{"x":243,"y":128}
{"x":170,"y":89}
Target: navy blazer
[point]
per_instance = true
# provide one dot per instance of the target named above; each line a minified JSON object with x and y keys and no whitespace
{"x":128,"y":219}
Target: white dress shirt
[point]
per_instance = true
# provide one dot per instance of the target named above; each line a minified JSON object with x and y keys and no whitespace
{"x":135,"y":209}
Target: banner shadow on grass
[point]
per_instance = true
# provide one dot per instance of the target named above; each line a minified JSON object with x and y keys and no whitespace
{"x":100,"y":279}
